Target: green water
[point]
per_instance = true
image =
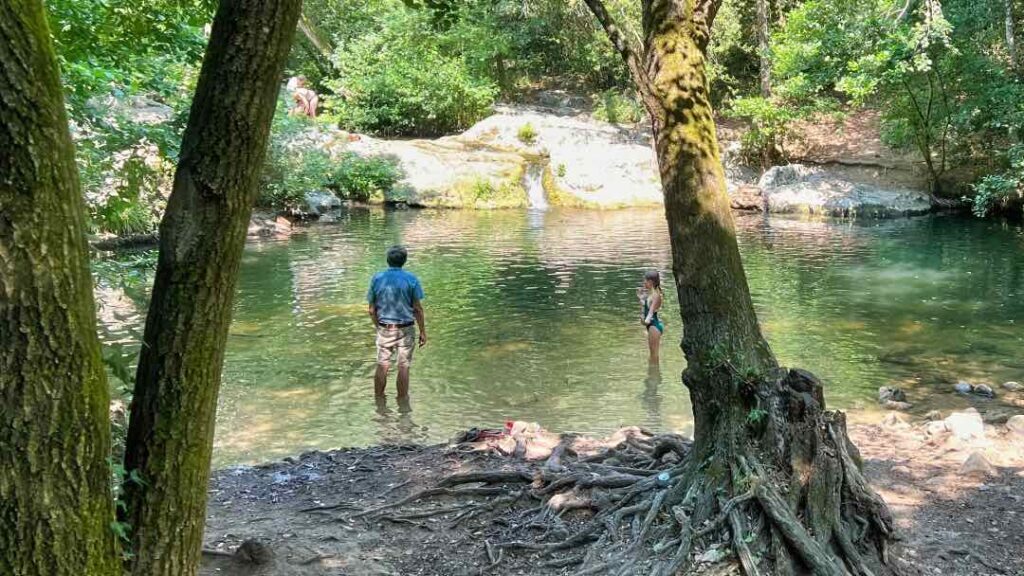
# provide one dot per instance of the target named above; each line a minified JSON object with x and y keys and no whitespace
{"x":533,"y":316}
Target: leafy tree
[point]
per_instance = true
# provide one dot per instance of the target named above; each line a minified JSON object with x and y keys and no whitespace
{"x":170,"y":433}
{"x":767,"y":456}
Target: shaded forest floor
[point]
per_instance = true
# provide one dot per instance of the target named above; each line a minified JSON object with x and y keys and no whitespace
{"x":952,"y":521}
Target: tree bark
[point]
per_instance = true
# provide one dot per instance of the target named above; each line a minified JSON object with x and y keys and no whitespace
{"x":1011,"y":36}
{"x":761,"y":433}
{"x":764,"y":48}
{"x":202,"y":234}
{"x":55,"y":499}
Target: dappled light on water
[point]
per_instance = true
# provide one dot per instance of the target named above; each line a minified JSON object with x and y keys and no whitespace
{"x":533,"y":316}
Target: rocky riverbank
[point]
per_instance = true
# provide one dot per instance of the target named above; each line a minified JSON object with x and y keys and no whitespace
{"x":537,"y":156}
{"x":957,"y":495}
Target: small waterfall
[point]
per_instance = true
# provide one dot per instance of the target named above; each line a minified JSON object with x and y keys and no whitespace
{"x":533,"y":183}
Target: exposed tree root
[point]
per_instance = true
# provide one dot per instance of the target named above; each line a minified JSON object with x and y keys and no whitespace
{"x":783,"y":495}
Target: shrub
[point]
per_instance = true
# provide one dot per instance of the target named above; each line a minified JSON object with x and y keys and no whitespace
{"x":616,"y":107}
{"x":1002,"y":189}
{"x":401,"y":82}
{"x":527,"y":134}
{"x":361,"y":178}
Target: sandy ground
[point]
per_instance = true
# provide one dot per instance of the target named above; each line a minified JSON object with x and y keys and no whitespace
{"x":951,"y":521}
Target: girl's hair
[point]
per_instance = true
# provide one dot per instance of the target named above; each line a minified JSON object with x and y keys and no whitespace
{"x":655,"y":277}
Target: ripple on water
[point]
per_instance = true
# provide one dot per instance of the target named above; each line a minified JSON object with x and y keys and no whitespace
{"x":534,"y":316}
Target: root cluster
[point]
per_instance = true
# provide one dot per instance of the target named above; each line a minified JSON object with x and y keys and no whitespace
{"x":656,"y":505}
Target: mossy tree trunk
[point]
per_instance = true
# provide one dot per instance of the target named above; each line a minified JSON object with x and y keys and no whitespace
{"x":55,"y":499}
{"x":766,"y":453}
{"x":202,"y":234}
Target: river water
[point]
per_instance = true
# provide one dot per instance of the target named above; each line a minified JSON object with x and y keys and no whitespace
{"x":532,"y":315}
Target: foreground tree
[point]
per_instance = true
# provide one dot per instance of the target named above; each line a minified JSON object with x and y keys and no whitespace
{"x":55,"y":500}
{"x":767,"y":457}
{"x":202,"y":234}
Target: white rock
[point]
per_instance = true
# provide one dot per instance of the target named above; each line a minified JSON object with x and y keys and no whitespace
{"x":977,"y":465}
{"x":805,"y":189}
{"x":966,"y":424}
{"x":1016,"y":426}
{"x":1013,"y":386}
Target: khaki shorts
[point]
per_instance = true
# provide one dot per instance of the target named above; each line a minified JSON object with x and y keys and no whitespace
{"x":390,"y":340}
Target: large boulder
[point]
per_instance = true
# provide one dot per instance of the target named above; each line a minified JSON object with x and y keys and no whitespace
{"x":591,"y":163}
{"x":796,"y":188}
{"x":451,"y":173}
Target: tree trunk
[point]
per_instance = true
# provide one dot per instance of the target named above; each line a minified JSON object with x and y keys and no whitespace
{"x":764,"y":48}
{"x":1011,"y":36}
{"x":55,"y":500}
{"x":202,"y":234}
{"x":766,"y":458}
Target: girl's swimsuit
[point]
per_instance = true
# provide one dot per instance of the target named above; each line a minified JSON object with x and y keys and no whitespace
{"x":655,"y":321}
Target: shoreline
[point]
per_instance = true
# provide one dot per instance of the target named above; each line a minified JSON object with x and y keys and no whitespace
{"x":955,"y":516}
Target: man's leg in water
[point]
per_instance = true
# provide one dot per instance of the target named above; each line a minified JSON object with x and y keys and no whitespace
{"x":403,"y":382}
{"x":380,"y":379}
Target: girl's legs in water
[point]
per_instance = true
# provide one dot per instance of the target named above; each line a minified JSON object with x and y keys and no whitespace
{"x":653,"y":342}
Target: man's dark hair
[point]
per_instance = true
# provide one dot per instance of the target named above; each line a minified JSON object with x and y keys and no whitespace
{"x":397,"y":255}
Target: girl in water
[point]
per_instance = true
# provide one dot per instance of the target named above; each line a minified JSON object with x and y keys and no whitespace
{"x":650,"y":299}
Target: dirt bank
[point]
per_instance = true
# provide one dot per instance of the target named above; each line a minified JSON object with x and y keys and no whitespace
{"x":952,"y":521}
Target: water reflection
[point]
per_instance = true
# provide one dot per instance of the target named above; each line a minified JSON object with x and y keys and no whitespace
{"x":532,"y":316}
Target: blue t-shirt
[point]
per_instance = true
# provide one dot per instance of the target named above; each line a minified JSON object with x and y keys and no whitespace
{"x":393,"y":292}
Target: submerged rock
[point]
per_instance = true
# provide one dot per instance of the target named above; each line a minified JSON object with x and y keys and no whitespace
{"x":891,"y":393}
{"x":796,"y":188}
{"x":1013,"y":386}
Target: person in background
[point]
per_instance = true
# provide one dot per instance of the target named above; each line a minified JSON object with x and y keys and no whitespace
{"x":306,"y":100}
{"x":651,"y":297}
{"x":395,"y":305}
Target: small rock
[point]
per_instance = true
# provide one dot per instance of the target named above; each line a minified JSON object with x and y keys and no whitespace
{"x":977,"y":465}
{"x":903,"y":470}
{"x":887,"y":393}
{"x":933,"y":415}
{"x":966,"y":424}
{"x":894,"y":420}
{"x":1016,"y":426}
{"x":963,"y":387}
{"x":984,"y":390}
{"x":894,"y":405}
{"x":936,"y":428}
{"x":1013,"y":386}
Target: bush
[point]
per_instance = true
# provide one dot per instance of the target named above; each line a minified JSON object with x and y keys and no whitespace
{"x":1001,"y":190}
{"x":402,"y":82}
{"x":296,"y":165}
{"x":617,"y":107}
{"x":361,"y":178}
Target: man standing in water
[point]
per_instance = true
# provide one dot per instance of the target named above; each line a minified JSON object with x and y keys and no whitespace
{"x":395,"y":298}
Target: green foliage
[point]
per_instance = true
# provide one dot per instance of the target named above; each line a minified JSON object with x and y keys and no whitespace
{"x":403,"y":81}
{"x":297,"y":162}
{"x":527,"y":134}
{"x":362,"y":178}
{"x":1002,"y":188}
{"x":617,"y":107}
